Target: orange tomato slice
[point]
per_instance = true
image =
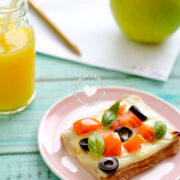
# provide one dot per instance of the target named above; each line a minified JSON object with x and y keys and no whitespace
{"x":130,"y":120}
{"x":121,"y":109}
{"x":127,"y":119}
{"x":146,"y":132}
{"x":86,"y":125}
{"x":115,"y":125}
{"x":134,"y":143}
{"x":112,"y":143}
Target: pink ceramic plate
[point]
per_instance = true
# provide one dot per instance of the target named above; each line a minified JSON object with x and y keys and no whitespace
{"x":67,"y":110}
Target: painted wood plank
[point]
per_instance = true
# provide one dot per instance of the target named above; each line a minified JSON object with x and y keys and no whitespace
{"x":24,"y":167}
{"x":48,"y":67}
{"x":18,"y":132}
{"x":55,"y":79}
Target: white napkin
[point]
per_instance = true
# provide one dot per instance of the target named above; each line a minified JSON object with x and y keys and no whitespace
{"x":90,"y":25}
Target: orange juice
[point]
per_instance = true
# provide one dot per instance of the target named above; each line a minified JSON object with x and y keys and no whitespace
{"x":17,"y":66}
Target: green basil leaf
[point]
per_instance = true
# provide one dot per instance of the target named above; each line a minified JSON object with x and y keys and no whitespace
{"x":110,"y":115}
{"x":159,"y":129}
{"x":96,"y":144}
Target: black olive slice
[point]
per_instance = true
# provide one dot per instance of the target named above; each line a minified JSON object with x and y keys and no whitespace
{"x":84,"y":144}
{"x":108,"y":164}
{"x":124,"y":133}
{"x":136,"y":111}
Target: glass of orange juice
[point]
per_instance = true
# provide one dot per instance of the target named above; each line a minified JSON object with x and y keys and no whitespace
{"x":17,"y":57}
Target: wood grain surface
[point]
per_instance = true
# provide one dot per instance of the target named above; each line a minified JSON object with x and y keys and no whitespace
{"x":55,"y":78}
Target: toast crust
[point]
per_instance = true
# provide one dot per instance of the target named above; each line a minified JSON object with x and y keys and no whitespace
{"x":136,"y":168}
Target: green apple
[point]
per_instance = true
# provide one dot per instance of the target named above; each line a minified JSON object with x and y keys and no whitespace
{"x":147,"y":21}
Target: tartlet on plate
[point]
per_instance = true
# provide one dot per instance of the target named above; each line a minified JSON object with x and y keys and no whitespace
{"x":122,"y":140}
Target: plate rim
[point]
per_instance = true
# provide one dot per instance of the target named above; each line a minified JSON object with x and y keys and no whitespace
{"x":71,"y":94}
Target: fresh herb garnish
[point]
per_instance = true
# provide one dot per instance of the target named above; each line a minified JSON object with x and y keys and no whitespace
{"x":159,"y":129}
{"x":96,"y":144}
{"x":110,"y":115}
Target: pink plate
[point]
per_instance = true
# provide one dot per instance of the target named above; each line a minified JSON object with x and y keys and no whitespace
{"x":67,"y":110}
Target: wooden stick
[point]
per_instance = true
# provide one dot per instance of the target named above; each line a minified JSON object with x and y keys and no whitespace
{"x":73,"y":47}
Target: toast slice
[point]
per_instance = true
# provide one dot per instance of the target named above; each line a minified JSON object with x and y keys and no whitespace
{"x":130,"y":164}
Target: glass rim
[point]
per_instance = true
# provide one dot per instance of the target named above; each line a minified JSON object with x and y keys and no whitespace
{"x":5,"y":10}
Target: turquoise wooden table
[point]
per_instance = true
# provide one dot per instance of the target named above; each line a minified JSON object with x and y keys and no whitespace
{"x":55,"y":78}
